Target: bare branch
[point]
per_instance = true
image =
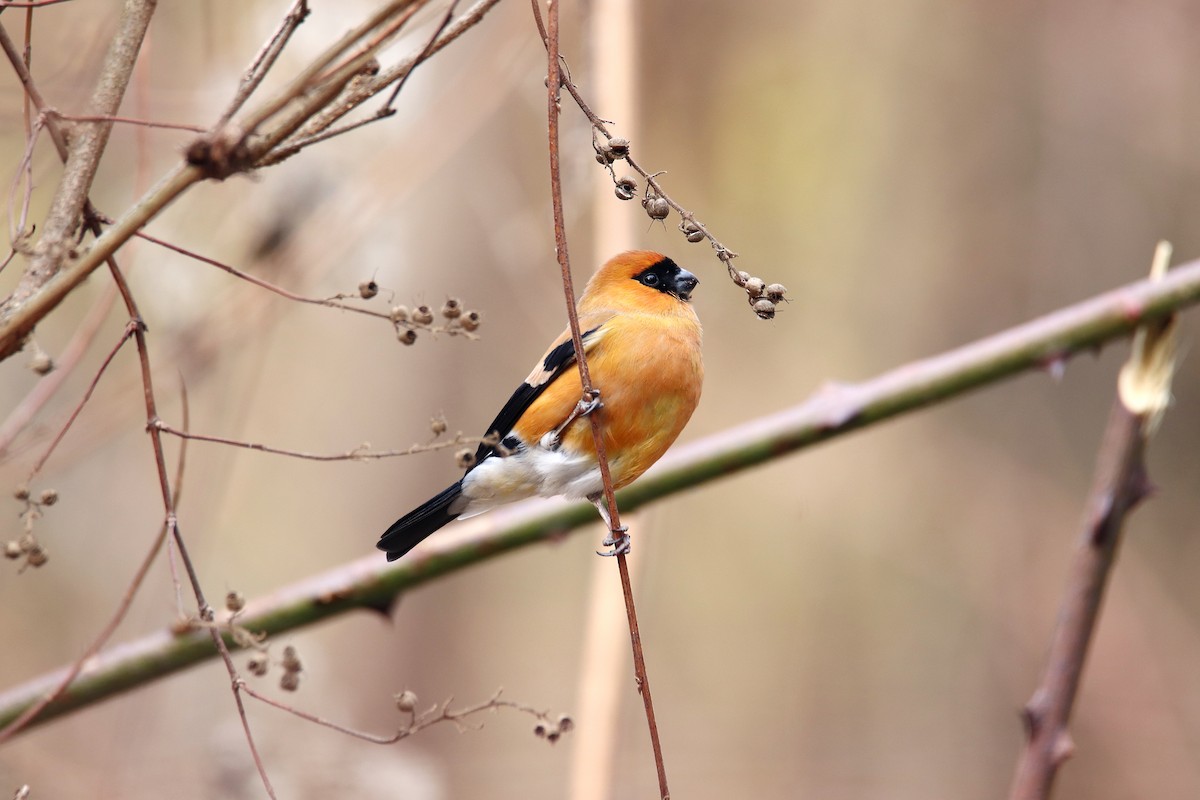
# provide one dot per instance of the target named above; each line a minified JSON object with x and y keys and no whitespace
{"x":617,"y":532}
{"x":1119,"y":485}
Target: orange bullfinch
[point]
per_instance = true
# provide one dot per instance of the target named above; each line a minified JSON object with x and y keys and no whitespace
{"x":642,"y":341}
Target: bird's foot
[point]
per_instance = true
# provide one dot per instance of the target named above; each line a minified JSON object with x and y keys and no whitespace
{"x":618,"y":540}
{"x":586,"y":405}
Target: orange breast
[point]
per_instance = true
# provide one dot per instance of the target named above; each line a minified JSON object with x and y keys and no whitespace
{"x":649,"y":373}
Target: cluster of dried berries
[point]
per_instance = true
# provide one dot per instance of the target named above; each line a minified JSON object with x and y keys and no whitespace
{"x":763,"y":297}
{"x":457,"y":320}
{"x":27,"y":545}
{"x":553,"y":731}
{"x":259,"y":664}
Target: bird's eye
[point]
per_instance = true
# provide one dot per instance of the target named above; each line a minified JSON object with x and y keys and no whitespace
{"x":650,"y":279}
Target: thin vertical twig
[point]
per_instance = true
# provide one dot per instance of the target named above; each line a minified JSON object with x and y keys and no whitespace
{"x":1119,"y":485}
{"x":553,"y":84}
{"x":612,"y":61}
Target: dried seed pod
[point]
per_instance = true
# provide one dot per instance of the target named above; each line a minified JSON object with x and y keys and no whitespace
{"x":775,"y":292}
{"x":407,"y":337}
{"x":742,"y":277}
{"x":399,"y":314}
{"x":48,"y":497}
{"x":235,"y":602}
{"x":406,"y":701}
{"x":289,"y":681}
{"x":764,"y":308}
{"x":625,"y":188}
{"x":540,"y":730}
{"x":438,"y":425}
{"x":754,"y":287}
{"x":452,"y":308}
{"x":12,"y":549}
{"x":291,"y":661}
{"x":258,"y":665}
{"x":368,"y":289}
{"x":41,"y":363}
{"x":422,"y":315}
{"x":36,"y":557}
{"x":27,"y":542}
{"x":21,"y":492}
{"x":470,"y":320}
{"x":656,"y":207}
{"x":464,"y":458}
{"x":565,"y":723}
{"x":692,"y":231}
{"x":618,"y":146}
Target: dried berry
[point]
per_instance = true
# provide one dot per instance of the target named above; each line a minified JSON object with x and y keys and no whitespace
{"x":289,"y":681}
{"x":399,"y":314}
{"x":464,"y":458}
{"x":12,"y":549}
{"x":452,"y":309}
{"x":48,"y":497}
{"x":235,"y":602}
{"x":470,"y":320}
{"x":407,"y":337}
{"x":258,"y":665}
{"x":368,"y":289}
{"x":423,"y":315}
{"x":692,"y":231}
{"x":656,"y":207}
{"x":21,"y":492}
{"x":37,"y":557}
{"x":775,"y":292}
{"x":764,"y":308}
{"x":406,"y":701}
{"x":41,"y":363}
{"x":754,"y":287}
{"x":625,"y":188}
{"x":291,"y":661}
{"x":438,"y":425}
{"x":618,"y":147}
{"x":741,"y":278}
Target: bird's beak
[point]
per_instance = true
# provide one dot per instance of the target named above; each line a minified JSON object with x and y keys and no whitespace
{"x":685,"y":282}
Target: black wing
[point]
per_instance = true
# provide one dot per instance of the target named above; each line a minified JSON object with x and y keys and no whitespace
{"x":557,"y":360}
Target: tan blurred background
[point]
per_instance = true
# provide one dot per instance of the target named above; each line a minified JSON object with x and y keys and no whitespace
{"x":861,"y":621}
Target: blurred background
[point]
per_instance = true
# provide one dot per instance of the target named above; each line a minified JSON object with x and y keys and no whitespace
{"x":863,"y":620}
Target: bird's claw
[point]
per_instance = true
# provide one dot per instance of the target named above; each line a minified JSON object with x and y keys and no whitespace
{"x":588,"y":403}
{"x":618,"y":540}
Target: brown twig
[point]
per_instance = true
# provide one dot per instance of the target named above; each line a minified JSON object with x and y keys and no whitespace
{"x":41,"y":462}
{"x":764,"y":306}
{"x":452,"y":327}
{"x":1119,"y":485}
{"x":64,"y":365}
{"x":361,"y":453}
{"x":358,"y":92}
{"x":265,"y":59}
{"x":109,"y":118}
{"x":560,"y":243}
{"x":549,"y":728}
{"x":123,"y":605}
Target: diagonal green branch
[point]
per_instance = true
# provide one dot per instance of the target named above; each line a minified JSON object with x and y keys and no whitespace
{"x":373,"y":584}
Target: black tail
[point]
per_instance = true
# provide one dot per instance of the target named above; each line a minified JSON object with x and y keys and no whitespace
{"x":411,"y":529}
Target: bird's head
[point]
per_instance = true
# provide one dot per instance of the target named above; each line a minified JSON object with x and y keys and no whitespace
{"x":640,"y":280}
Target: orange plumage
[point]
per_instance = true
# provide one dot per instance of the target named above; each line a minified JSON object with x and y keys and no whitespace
{"x":642,"y":340}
